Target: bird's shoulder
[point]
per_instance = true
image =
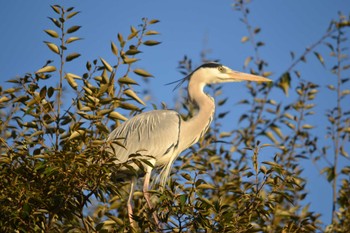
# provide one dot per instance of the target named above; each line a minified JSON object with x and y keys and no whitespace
{"x":160,"y":120}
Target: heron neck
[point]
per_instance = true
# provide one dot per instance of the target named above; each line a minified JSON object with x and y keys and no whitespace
{"x":199,"y":124}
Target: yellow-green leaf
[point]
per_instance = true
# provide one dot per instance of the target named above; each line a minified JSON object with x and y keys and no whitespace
{"x":106,"y":65}
{"x":269,"y":134}
{"x":4,"y":99}
{"x":244,"y":39}
{"x":117,"y":115}
{"x":76,"y":134}
{"x":151,"y":32}
{"x":52,"y":33}
{"x":205,"y":186}
{"x":121,"y":40}
{"x":307,"y":126}
{"x":72,"y":56}
{"x":319,"y":57}
{"x":133,"y":95}
{"x":46,"y":69}
{"x":277,"y":130}
{"x":151,"y":42}
{"x":54,"y":48}
{"x":73,"y":29}
{"x":72,"y":39}
{"x":114,"y":49}
{"x":284,"y":83}
{"x":153,"y":21}
{"x":56,"y":8}
{"x":142,"y":73}
{"x":128,"y":60}
{"x":70,"y":78}
{"x":127,"y":80}
{"x":72,"y":14}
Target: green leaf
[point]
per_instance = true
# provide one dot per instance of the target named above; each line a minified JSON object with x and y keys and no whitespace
{"x":106,"y":65}
{"x":114,"y":49}
{"x":56,"y":9}
{"x":72,"y":14}
{"x":205,"y":186}
{"x":320,"y":58}
{"x":127,"y":80}
{"x":153,"y":21}
{"x":244,"y":39}
{"x":121,"y":40}
{"x":117,"y":115}
{"x":128,"y":60}
{"x":133,"y":33}
{"x":247,"y":61}
{"x":284,"y":83}
{"x":56,"y":22}
{"x":142,"y":73}
{"x":73,"y":29}
{"x":72,"y":56}
{"x":4,"y":99}
{"x":54,"y":48}
{"x":133,"y":95}
{"x":52,"y":33}
{"x":151,"y":42}
{"x":151,"y":32}
{"x":182,"y":198}
{"x":186,"y":176}
{"x":72,"y":39}
{"x":330,"y":174}
{"x":46,"y":69}
{"x":132,"y":51}
{"x":70,"y":78}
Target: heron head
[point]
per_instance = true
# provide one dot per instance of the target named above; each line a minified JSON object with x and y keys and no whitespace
{"x":212,"y":73}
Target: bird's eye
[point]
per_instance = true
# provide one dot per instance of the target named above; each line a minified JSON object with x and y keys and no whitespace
{"x":221,"y":69}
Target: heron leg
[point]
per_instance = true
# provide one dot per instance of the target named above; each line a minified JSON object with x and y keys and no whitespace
{"x":147,"y":194}
{"x":130,"y":211}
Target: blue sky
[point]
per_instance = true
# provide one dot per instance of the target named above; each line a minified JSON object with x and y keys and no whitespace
{"x":186,"y":27}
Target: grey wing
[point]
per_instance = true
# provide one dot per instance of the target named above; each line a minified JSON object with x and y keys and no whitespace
{"x":154,"y":133}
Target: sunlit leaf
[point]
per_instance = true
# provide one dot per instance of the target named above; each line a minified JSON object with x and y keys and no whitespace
{"x":142,"y":73}
{"x":72,"y":39}
{"x":128,"y":60}
{"x":56,"y":22}
{"x":244,"y":39}
{"x":319,"y":57}
{"x":151,"y":42}
{"x":114,"y":49}
{"x":54,"y":48}
{"x":46,"y":69}
{"x":127,"y":80}
{"x":52,"y":33}
{"x":56,"y":8}
{"x":72,"y":56}
{"x":117,"y":115}
{"x":133,"y":95}
{"x":151,"y":32}
{"x":284,"y":83}
{"x":106,"y":65}
{"x":153,"y":21}
{"x":73,"y":29}
{"x":72,"y":14}
{"x":4,"y":99}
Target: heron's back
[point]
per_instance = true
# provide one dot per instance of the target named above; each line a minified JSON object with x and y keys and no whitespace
{"x":153,"y":134}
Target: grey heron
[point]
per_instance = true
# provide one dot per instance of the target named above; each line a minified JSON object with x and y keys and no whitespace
{"x":159,"y":136}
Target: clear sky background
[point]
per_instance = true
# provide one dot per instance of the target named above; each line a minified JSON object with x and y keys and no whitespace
{"x":186,"y":27}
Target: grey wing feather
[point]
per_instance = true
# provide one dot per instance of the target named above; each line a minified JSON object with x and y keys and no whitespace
{"x":152,"y":133}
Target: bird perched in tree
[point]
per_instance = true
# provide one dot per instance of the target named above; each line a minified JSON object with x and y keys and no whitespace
{"x":158,"y":137}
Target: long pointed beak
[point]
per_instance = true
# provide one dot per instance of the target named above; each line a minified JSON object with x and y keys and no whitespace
{"x":239,"y":76}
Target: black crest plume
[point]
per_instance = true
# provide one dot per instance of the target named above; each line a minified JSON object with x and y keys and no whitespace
{"x":188,"y":77}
